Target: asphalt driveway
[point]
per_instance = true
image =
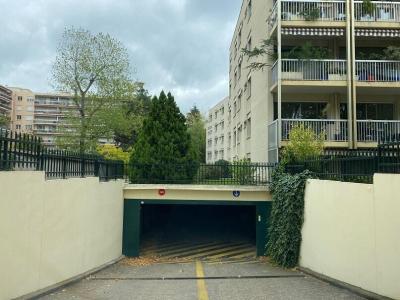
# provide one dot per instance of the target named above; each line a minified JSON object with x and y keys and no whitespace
{"x":147,"y":280}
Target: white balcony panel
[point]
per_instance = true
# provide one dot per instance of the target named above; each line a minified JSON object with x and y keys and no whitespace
{"x":313,"y":69}
{"x":378,"y":71}
{"x":378,"y":131}
{"x":330,"y":130}
{"x":382,"y":11}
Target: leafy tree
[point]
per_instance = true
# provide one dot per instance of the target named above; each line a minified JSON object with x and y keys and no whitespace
{"x":113,"y":152}
{"x":243,"y":171}
{"x":125,"y":119}
{"x":392,"y":53}
{"x":303,"y":144}
{"x":197,"y":132}
{"x":94,"y":68}
{"x":4,"y":121}
{"x":266,"y":52}
{"x":162,"y":151}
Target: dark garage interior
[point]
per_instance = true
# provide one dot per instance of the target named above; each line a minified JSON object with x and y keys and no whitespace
{"x":177,"y":230}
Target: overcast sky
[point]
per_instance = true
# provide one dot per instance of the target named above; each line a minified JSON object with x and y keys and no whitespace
{"x":176,"y":45}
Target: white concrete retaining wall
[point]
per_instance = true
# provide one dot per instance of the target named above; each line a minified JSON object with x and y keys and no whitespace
{"x":51,"y":231}
{"x":351,"y":233}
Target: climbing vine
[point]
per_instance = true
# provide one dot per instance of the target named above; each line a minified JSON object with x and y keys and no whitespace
{"x":286,"y":217}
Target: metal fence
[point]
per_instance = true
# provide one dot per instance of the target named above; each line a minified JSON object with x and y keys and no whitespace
{"x":236,"y":173}
{"x":26,"y":152}
{"x":352,"y":165}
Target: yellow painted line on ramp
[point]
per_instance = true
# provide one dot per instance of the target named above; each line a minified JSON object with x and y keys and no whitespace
{"x":202,"y":293}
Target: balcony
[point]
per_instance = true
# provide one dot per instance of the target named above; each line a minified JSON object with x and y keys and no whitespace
{"x":333,"y":70}
{"x":378,"y":131}
{"x":381,"y":12}
{"x":320,"y":11}
{"x":378,"y":71}
{"x":335,"y":132}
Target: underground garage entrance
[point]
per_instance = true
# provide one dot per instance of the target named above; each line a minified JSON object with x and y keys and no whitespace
{"x":206,"y":230}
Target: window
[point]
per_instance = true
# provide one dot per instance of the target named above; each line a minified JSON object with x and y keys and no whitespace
{"x":248,"y":45}
{"x":248,"y":128}
{"x":302,"y":110}
{"x":239,"y":134}
{"x":19,"y":117}
{"x":235,"y":78}
{"x":239,"y":70}
{"x":19,"y":98}
{"x":234,"y":108}
{"x":249,"y":10}
{"x":240,"y":37}
{"x":370,"y":111}
{"x":30,"y":99}
{"x":239,"y":104}
{"x":247,"y":88}
{"x":234,"y":138}
{"x":18,"y":127}
{"x":28,"y":127}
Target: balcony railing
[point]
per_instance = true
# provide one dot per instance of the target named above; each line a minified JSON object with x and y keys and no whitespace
{"x":378,"y":131}
{"x":311,"y":69}
{"x":306,"y":10}
{"x":378,"y":70}
{"x":382,"y":11}
{"x":330,"y":130}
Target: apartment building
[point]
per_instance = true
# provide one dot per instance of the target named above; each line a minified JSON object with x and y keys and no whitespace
{"x":23,"y":105}
{"x":5,"y":102}
{"x":40,"y":114}
{"x":247,"y":107}
{"x":218,"y":134}
{"x":332,"y":71}
{"x":346,"y":86}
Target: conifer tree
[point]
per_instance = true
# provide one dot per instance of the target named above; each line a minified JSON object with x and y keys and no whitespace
{"x":162,"y":152}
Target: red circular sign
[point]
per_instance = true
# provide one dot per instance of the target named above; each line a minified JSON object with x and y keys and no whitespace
{"x":161,"y":192}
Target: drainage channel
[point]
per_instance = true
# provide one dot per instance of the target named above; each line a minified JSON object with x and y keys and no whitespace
{"x":195,"y":278}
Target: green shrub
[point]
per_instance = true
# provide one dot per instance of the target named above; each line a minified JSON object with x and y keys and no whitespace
{"x":243,"y":172}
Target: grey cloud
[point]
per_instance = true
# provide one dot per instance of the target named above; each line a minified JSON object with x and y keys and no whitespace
{"x":177,"y":45}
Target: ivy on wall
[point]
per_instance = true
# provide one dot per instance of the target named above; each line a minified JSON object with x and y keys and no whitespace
{"x":286,"y":217}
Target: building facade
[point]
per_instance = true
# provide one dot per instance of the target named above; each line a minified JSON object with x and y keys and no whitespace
{"x":217,"y":133}
{"x":334,"y":69}
{"x":40,"y":114}
{"x":5,"y":103}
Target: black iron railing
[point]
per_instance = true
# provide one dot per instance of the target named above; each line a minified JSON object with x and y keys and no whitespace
{"x":26,"y":152}
{"x":352,"y":165}
{"x":207,"y":174}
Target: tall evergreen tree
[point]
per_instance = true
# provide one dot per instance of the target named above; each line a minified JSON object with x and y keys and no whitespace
{"x":162,"y":152}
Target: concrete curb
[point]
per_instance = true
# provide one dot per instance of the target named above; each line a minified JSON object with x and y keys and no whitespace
{"x":57,"y":286}
{"x":340,"y":284}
